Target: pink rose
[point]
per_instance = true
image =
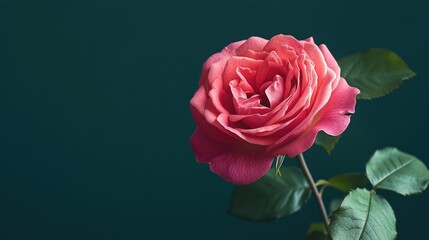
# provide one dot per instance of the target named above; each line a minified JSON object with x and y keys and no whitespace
{"x":259,"y":98}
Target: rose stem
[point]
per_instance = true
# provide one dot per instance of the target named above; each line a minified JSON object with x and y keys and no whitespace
{"x":313,"y":187}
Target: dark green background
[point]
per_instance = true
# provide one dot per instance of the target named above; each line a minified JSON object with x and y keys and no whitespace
{"x":95,"y":123}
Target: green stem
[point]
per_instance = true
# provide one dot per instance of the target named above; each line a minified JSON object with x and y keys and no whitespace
{"x":318,"y":196}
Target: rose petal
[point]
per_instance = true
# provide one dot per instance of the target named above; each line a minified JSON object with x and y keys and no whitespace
{"x":334,"y":117}
{"x":198,"y":109}
{"x":241,"y":167}
{"x":246,"y":75}
{"x":272,"y":64}
{"x":330,"y":60}
{"x":234,"y":63}
{"x":281,"y":41}
{"x":275,"y":91}
{"x":205,"y":148}
{"x":252,"y":120}
{"x":302,"y":96}
{"x":206,"y":114}
{"x":310,"y":40}
{"x":255,"y":55}
{"x":254,"y":44}
{"x":316,"y":56}
{"x":227,"y":51}
{"x":223,"y":121}
{"x":238,"y":164}
{"x":299,"y":145}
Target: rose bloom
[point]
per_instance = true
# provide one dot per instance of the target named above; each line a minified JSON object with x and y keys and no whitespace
{"x":259,"y":98}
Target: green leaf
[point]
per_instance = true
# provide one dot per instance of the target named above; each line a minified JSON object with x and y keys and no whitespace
{"x":348,"y":181}
{"x":363,"y":215}
{"x":375,"y":72}
{"x":397,"y":171}
{"x":271,"y":196}
{"x":326,"y":141}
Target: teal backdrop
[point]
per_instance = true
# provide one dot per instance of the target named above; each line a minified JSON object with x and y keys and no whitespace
{"x":95,"y":120}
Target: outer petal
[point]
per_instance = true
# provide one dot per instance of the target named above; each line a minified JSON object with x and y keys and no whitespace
{"x":206,"y":118}
{"x":300,"y":145}
{"x":317,"y":57}
{"x":310,"y":40}
{"x":334,"y":117}
{"x":239,"y":164}
{"x":330,"y":61}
